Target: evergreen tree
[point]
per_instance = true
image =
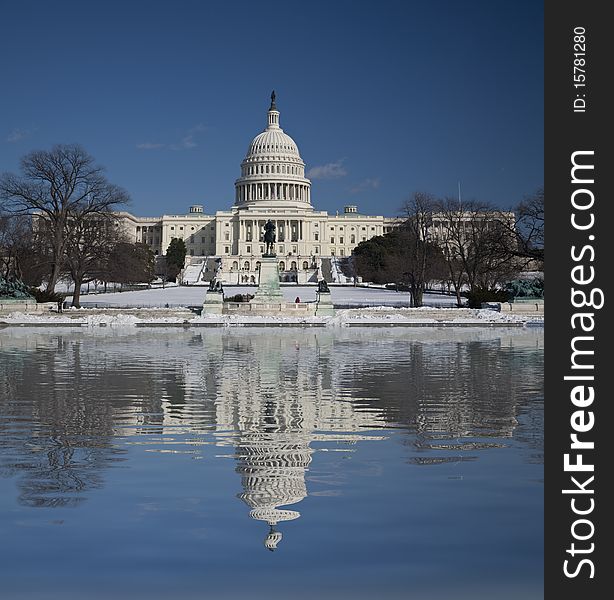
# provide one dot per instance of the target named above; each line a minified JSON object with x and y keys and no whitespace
{"x":175,"y":257}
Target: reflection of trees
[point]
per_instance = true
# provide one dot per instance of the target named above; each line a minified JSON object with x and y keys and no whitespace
{"x":63,"y":399}
{"x":450,"y":389}
{"x":268,"y":394}
{"x":57,"y":430}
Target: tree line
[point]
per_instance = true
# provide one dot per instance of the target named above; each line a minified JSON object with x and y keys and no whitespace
{"x":58,"y":218}
{"x":473,"y":247}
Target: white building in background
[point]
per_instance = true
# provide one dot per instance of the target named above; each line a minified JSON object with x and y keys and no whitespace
{"x":272,"y":185}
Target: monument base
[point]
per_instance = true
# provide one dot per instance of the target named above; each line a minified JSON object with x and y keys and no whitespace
{"x":214,"y":302}
{"x":324,"y":304}
{"x":268,"y":291}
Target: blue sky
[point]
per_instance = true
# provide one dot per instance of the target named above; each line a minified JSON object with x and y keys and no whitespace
{"x":383,"y":98}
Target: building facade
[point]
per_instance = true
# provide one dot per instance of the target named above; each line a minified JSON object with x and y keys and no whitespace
{"x":272,"y":185}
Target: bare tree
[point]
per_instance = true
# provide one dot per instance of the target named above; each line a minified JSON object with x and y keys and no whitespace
{"x":420,"y":252}
{"x":130,"y":263}
{"x":90,"y":243}
{"x":15,"y":240}
{"x":529,"y":226}
{"x":59,"y":188}
{"x":478,"y":244}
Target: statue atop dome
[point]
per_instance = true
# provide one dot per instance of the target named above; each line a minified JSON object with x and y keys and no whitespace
{"x":273,"y":107}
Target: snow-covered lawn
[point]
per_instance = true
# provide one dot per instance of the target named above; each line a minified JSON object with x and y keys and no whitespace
{"x":194,"y":296}
{"x":381,"y":316}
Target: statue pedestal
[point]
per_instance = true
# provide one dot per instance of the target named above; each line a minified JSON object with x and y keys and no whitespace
{"x":214,"y":302}
{"x":324,"y":304}
{"x":268,"y":291}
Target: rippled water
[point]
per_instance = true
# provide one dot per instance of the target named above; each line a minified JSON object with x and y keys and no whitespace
{"x":260,"y":463}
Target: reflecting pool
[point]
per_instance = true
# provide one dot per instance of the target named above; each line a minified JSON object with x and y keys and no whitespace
{"x":274,"y":464}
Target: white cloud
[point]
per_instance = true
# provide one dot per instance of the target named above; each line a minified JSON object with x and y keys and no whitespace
{"x":187,"y":142}
{"x":365,"y":185}
{"x":149,"y":146}
{"x":333,"y":170}
{"x":18,"y":134}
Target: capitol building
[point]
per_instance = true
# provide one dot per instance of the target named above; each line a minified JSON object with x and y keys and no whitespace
{"x":272,"y":185}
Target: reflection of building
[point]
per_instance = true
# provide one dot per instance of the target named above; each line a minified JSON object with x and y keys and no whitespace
{"x":272,"y":185}
{"x":279,"y":401}
{"x":269,"y":399}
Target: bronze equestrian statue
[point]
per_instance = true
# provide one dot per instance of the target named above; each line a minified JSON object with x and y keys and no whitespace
{"x":269,"y":238}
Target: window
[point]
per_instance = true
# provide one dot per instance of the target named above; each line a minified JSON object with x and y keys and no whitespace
{"x":181,"y":228}
{"x":235,"y":265}
{"x":341,"y":252}
{"x":226,"y":236}
{"x":316,"y":236}
{"x":332,"y":240}
{"x":213,"y":239}
{"x":282,"y":265}
{"x":227,"y":249}
{"x":316,"y":250}
{"x":341,"y":240}
{"x":293,"y":266}
{"x":332,"y":252}
{"x":295,"y":249}
{"x":248,"y":249}
{"x":281,"y":249}
{"x":305,"y":265}
{"x":172,"y":229}
{"x":246,"y":265}
{"x":352,"y":239}
{"x":203,"y":240}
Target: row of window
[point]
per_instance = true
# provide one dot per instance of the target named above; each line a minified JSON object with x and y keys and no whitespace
{"x":262,"y":169}
{"x":282,"y":266}
{"x":332,"y":228}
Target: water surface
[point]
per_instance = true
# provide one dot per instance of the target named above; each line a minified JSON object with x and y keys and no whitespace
{"x":261,"y":463}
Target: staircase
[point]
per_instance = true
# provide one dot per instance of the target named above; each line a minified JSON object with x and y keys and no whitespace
{"x":194,"y":273}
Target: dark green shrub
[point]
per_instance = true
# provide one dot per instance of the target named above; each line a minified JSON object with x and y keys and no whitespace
{"x":239,"y":298}
{"x":480,"y":295}
{"x":44,"y":296}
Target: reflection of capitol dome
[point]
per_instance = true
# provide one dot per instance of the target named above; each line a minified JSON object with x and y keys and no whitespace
{"x":273,"y":173}
{"x":272,"y":539}
{"x":272,"y":475}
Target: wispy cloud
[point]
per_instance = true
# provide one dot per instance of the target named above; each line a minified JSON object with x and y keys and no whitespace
{"x":149,"y":146}
{"x":365,"y":185}
{"x":333,"y":170}
{"x":19,"y":134}
{"x":187,"y":142}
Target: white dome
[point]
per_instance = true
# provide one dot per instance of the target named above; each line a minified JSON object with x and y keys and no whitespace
{"x":273,"y":173}
{"x":273,"y":141}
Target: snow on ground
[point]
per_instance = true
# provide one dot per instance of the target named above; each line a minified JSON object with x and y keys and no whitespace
{"x":194,"y":296}
{"x":351,"y":317}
